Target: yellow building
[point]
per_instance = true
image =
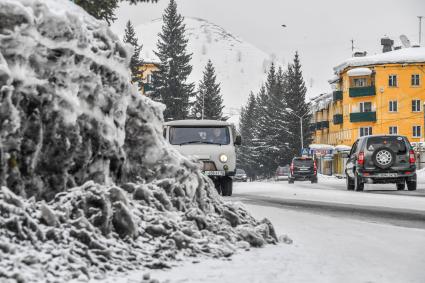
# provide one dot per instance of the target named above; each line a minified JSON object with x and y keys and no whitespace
{"x":148,"y":68}
{"x":377,"y":94}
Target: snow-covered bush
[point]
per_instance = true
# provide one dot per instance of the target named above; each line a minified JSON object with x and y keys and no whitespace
{"x":88,"y":183}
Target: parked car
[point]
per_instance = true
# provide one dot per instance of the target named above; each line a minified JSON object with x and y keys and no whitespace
{"x":381,"y":159}
{"x":282,"y":173}
{"x":240,"y":176}
{"x":303,"y":169}
{"x":211,"y":143}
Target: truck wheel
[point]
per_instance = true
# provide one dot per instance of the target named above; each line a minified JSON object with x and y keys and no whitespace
{"x":227,"y":186}
{"x":358,"y":184}
{"x":400,"y":187}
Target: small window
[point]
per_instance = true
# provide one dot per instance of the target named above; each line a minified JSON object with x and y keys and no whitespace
{"x":416,"y":105}
{"x":365,"y":106}
{"x":365,"y":131}
{"x":393,"y":130}
{"x":416,"y":131}
{"x":393,"y":107}
{"x":359,"y":82}
{"x":416,"y":80}
{"x":392,"y":80}
{"x":148,"y":78}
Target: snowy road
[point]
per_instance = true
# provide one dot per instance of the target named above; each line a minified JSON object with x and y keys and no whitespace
{"x":380,"y":203}
{"x":338,"y":236}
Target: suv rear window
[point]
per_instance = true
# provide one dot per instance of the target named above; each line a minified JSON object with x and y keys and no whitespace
{"x":240,"y":171}
{"x":396,"y":144}
{"x":303,"y":162}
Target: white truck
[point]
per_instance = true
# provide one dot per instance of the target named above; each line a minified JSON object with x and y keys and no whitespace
{"x":210,"y":142}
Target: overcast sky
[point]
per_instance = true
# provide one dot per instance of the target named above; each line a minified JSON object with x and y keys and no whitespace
{"x":321,"y":31}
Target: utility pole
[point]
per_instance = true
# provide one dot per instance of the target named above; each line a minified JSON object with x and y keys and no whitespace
{"x":420,"y":29}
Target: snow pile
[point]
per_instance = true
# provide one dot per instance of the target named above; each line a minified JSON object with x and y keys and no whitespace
{"x":71,"y":127}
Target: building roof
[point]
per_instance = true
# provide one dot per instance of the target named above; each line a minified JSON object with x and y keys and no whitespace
{"x":321,"y":102}
{"x":193,"y":122}
{"x":401,"y":56}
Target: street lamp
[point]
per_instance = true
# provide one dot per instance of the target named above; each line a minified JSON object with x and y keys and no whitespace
{"x":290,"y":111}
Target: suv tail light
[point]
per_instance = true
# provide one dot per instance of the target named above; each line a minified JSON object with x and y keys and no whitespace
{"x":412,"y":158}
{"x":360,"y":158}
{"x":292,"y":167}
{"x":315,"y":167}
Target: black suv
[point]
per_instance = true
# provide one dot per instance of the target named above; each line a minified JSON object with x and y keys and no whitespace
{"x":302,"y":169}
{"x":381,"y":159}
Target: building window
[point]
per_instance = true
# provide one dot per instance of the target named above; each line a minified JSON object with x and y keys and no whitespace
{"x":148,"y":78}
{"x":393,"y":130}
{"x":359,"y":82}
{"x":365,"y":106}
{"x":416,"y":105}
{"x":393,"y":107}
{"x":416,"y":80}
{"x":416,"y":131}
{"x":392,"y":80}
{"x":365,"y":131}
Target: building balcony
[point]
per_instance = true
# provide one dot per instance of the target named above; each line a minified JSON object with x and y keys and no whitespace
{"x":363,"y":117}
{"x":313,"y":126}
{"x":147,"y":87}
{"x":337,"y":95}
{"x":325,"y":124}
{"x":338,"y":119}
{"x":362,"y":91}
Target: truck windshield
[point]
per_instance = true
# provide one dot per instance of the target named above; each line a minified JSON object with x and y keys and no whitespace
{"x":202,"y":135}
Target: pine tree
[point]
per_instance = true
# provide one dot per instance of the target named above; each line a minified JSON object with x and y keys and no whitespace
{"x":296,"y":101}
{"x":135,"y":60}
{"x":104,"y":9}
{"x":169,"y":82}
{"x":209,"y":102}
{"x":247,"y":124}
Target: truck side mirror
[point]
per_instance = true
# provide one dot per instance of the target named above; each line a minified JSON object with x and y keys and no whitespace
{"x":238,"y":140}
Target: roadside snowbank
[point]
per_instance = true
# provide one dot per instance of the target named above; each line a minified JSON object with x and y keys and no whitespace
{"x":72,"y":126}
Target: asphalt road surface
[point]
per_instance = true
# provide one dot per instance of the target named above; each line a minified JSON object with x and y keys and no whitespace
{"x":276,"y":194}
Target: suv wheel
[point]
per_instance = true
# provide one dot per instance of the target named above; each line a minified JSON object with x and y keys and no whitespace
{"x":290,"y":181}
{"x":411,"y":185}
{"x":314,"y":180}
{"x":400,"y":187}
{"x":358,"y":184}
{"x":350,"y":183}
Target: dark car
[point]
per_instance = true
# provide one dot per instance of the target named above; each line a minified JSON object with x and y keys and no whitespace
{"x":282,"y":173}
{"x":381,"y":159}
{"x":240,"y":175}
{"x":303,"y":169}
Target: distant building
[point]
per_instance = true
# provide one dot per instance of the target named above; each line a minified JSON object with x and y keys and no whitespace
{"x":148,"y":68}
{"x":375,"y":94}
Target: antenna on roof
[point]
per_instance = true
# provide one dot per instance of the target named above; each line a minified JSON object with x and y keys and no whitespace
{"x":405,"y":41}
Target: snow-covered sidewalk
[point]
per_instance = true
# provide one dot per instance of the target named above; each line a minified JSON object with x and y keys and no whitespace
{"x":324,"y":249}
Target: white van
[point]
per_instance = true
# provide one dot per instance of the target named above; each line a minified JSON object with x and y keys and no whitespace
{"x":210,"y":142}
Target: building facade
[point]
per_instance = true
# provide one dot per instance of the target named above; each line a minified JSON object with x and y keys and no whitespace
{"x":378,"y":94}
{"x":147,"y":69}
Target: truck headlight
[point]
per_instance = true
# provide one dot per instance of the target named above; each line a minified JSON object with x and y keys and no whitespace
{"x":223,"y":158}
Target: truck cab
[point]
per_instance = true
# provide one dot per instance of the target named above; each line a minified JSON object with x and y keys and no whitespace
{"x":210,"y":142}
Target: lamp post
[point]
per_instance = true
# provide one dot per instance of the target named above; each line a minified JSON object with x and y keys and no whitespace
{"x":290,"y":111}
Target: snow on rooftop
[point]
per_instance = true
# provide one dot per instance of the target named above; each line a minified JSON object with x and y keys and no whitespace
{"x":359,"y":72}
{"x":193,"y":122}
{"x":321,"y":102}
{"x":405,"y":55}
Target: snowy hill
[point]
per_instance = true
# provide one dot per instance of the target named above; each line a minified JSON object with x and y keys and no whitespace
{"x":240,"y":66}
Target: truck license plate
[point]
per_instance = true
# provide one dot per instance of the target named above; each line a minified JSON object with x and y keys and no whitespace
{"x":387,"y":175}
{"x":214,"y":173}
